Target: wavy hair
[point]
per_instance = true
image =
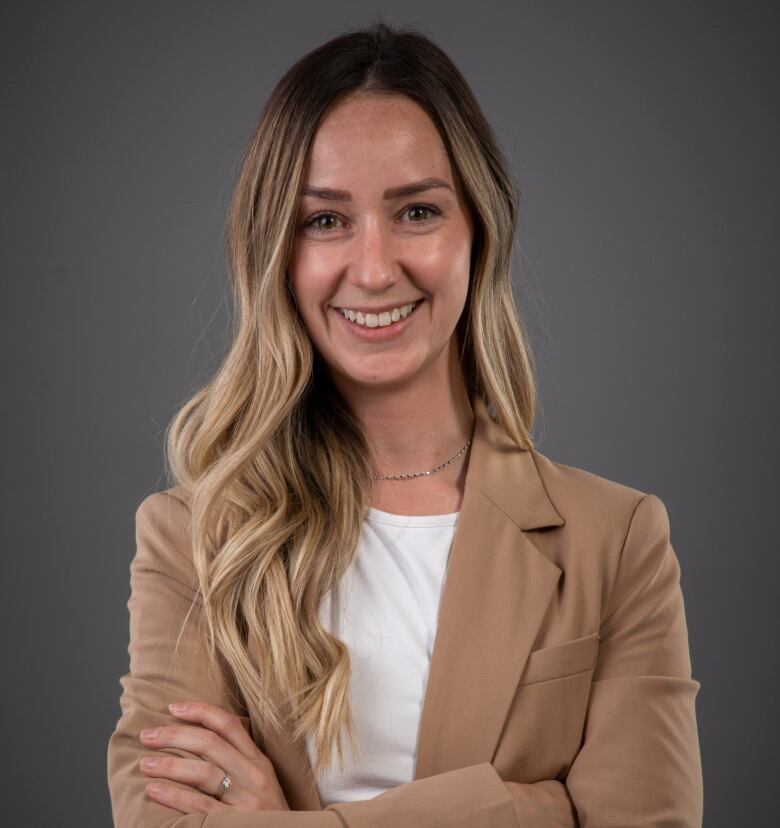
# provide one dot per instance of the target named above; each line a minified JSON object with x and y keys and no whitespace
{"x":275,"y":462}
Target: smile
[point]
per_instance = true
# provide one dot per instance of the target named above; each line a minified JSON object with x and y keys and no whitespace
{"x":379,"y":327}
{"x":381,"y":320}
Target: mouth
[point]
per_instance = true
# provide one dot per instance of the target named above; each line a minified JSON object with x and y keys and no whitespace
{"x":380,"y":333}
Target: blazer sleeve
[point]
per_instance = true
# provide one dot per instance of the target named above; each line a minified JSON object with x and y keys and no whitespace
{"x":639,"y":763}
{"x":167,"y":663}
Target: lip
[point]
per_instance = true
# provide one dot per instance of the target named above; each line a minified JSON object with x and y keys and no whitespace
{"x":380,"y":334}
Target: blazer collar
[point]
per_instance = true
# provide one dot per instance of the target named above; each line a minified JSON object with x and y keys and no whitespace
{"x":507,"y":475}
{"x":497,"y":588}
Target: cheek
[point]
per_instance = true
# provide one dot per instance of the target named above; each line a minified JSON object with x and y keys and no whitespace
{"x":448,"y":271}
{"x":452,"y":250}
{"x":311,"y":281}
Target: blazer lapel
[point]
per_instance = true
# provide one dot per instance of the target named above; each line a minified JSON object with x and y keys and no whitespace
{"x":497,"y":589}
{"x":496,"y":592}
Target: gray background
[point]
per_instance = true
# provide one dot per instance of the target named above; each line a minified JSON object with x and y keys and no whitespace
{"x":644,"y":137}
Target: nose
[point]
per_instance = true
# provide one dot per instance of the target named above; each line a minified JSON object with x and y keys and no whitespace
{"x":374,"y":266}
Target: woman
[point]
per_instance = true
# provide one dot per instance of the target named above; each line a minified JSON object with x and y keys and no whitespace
{"x":358,"y":481}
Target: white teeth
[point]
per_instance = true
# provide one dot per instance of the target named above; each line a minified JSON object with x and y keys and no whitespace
{"x":382,"y":320}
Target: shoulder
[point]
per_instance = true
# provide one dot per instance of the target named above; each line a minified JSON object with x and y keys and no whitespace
{"x":166,"y":502}
{"x":609,"y":527}
{"x":163,"y":539}
{"x":167,"y":508}
{"x":595,"y":505}
{"x":574,"y":483}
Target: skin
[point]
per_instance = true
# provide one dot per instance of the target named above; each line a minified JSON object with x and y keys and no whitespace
{"x":409,"y":392}
{"x":226,"y":748}
{"x":369,"y":251}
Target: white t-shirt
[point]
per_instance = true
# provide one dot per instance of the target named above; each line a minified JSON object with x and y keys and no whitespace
{"x":385,"y":610}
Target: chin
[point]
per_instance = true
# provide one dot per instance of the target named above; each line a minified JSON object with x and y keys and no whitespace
{"x":376,"y":379}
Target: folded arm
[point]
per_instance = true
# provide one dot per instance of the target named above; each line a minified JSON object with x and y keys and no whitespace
{"x":168,"y":663}
{"x":639,"y":763}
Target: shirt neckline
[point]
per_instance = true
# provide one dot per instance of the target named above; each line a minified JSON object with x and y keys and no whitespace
{"x":392,"y":519}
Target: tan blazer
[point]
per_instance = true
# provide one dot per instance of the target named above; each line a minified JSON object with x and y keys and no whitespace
{"x":560,"y":665}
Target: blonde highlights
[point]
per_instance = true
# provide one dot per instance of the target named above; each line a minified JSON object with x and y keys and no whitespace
{"x":276,"y":465}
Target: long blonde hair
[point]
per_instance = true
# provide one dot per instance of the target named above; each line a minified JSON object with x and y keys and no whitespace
{"x":276,"y":465}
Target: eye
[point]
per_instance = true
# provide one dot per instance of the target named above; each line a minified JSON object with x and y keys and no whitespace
{"x":313,"y":222}
{"x":428,"y":207}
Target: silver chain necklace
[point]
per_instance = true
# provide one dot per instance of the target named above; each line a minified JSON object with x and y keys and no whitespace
{"x":422,"y":474}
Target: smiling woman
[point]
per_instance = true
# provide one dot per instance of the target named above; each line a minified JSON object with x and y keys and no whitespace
{"x":376,"y":256}
{"x":363,"y":557}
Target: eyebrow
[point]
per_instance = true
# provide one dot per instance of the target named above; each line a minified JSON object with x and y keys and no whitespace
{"x":394,"y":192}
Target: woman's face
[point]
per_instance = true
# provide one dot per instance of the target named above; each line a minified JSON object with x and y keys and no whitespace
{"x":372,"y":250}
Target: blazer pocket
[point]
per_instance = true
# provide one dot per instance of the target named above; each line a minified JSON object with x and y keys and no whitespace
{"x":559,"y":660}
{"x":546,"y":719}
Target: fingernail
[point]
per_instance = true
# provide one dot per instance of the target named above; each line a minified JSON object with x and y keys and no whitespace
{"x":150,"y":762}
{"x":151,"y":733}
{"x":177,"y":707}
{"x":156,"y":789}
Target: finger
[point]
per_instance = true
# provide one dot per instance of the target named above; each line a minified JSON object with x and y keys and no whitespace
{"x":188,"y":802}
{"x":228,"y":725}
{"x":194,"y":772}
{"x":207,"y":744}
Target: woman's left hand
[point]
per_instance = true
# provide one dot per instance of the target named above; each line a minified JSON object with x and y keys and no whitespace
{"x":226,"y":748}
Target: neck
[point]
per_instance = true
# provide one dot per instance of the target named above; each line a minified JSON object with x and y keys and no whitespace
{"x":420,"y":425}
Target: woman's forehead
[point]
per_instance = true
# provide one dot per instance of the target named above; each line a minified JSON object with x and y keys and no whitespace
{"x":376,"y":131}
